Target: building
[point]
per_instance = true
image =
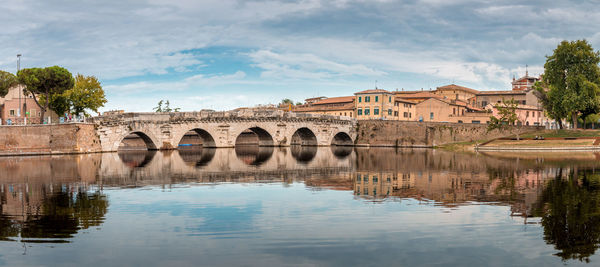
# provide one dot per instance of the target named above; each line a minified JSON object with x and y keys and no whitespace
{"x":529,"y":115}
{"x":374,"y":104}
{"x":524,"y":83}
{"x":336,"y":106}
{"x":404,"y":110}
{"x":456,"y":92}
{"x":445,"y":110}
{"x":30,"y":110}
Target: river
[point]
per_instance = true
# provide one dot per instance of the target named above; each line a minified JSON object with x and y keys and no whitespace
{"x":300,"y":206}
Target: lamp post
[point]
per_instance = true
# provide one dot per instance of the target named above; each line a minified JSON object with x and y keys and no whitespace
{"x":19,"y":69}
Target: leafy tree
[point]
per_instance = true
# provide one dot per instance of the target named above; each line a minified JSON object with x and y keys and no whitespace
{"x":45,"y":82}
{"x":592,"y":119}
{"x":572,"y":76}
{"x":166,"y":108}
{"x":507,"y":116}
{"x":87,"y":94}
{"x":287,"y":101}
{"x":58,"y":103}
{"x":7,"y":80}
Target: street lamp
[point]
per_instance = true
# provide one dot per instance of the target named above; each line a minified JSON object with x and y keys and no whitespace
{"x":19,"y":69}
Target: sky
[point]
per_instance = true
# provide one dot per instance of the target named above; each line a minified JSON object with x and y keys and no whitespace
{"x":222,"y":54}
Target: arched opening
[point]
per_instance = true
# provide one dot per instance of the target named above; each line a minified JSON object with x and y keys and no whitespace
{"x":136,"y":158}
{"x":304,"y":137}
{"x":137,"y":141}
{"x":254,"y":155}
{"x":254,"y":136}
{"x":304,"y":154}
{"x":341,"y":152}
{"x":198,"y":157}
{"x":196,"y":138}
{"x":342,"y":139}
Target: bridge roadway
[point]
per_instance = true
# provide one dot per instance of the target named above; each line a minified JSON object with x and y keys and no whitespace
{"x":221,"y":129}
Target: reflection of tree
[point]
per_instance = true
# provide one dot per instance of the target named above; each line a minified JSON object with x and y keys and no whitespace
{"x":571,"y":215}
{"x":62,"y":215}
{"x":506,"y":182}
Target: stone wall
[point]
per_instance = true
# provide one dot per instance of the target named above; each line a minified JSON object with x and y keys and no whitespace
{"x":49,"y":139}
{"x":425,"y":134}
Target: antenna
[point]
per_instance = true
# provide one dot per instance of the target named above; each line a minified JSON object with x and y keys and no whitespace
{"x":526,"y":71}
{"x":375,"y":84}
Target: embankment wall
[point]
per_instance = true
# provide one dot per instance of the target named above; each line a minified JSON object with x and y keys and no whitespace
{"x":427,"y":134}
{"x":49,"y":139}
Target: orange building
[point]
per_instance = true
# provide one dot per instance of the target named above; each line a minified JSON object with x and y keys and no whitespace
{"x":374,"y":104}
{"x":30,"y":111}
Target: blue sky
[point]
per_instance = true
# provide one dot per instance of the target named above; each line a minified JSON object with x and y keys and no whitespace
{"x":221,"y":54}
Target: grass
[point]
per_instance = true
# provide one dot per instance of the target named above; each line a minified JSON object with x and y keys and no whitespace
{"x":563,"y":133}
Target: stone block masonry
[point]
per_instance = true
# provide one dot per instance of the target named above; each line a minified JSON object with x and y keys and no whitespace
{"x":49,"y":139}
{"x":425,"y":134}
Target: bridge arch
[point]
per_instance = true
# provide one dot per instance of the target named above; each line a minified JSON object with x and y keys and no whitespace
{"x":342,"y":139}
{"x":304,"y":154}
{"x":190,"y":137}
{"x":254,"y":155}
{"x":254,"y":136}
{"x":305,"y":137}
{"x":133,"y":141}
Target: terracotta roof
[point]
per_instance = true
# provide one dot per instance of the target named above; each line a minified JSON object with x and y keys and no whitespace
{"x":426,"y":94}
{"x":405,"y":101}
{"x":457,"y":87}
{"x":456,"y":103}
{"x":315,"y":98}
{"x":335,"y":100}
{"x":373,"y":91}
{"x":313,"y":108}
{"x":505,"y":92}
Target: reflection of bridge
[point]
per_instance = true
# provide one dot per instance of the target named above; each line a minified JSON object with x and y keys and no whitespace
{"x":222,"y":129}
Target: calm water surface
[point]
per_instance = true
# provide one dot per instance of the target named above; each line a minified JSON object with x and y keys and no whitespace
{"x":254,"y":206}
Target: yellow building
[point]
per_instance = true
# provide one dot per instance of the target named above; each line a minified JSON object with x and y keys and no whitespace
{"x":374,"y":104}
{"x":405,"y":110}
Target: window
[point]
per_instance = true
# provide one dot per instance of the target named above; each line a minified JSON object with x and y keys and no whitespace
{"x":396,"y":113}
{"x":375,"y":179}
{"x":376,"y":98}
{"x":410,"y":115}
{"x":32,"y":113}
{"x":453,"y":111}
{"x":405,"y":114}
{"x":367,"y":99}
{"x":366,"y":178}
{"x":463,"y":112}
{"x":11,"y":112}
{"x":358,"y":177}
{"x":533,"y":114}
{"x":484,"y":103}
{"x":367,"y":111}
{"x":376,"y":111}
{"x":476,"y":122}
{"x":389,"y":111}
{"x":359,"y":99}
{"x":359,"y":111}
{"x":431,"y":115}
{"x":390,"y":99}
{"x":524,"y":102}
{"x":459,"y":121}
{"x":527,"y":114}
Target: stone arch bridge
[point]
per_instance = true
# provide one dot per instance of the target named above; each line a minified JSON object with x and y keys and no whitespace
{"x":222,"y":129}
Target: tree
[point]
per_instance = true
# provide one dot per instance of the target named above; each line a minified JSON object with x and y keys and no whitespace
{"x":507,"y":116}
{"x":287,"y":101}
{"x":87,"y":94}
{"x":166,"y":108}
{"x":572,"y":77}
{"x":45,"y":82}
{"x":7,"y":80}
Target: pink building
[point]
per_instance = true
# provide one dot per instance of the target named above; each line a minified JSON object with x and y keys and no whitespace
{"x":30,"y":111}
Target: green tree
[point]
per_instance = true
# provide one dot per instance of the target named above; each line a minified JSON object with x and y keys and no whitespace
{"x":45,"y":82}
{"x":572,"y":77}
{"x":87,"y":94}
{"x":287,"y":101}
{"x":7,"y":80}
{"x":507,"y":117}
{"x":165,"y":108}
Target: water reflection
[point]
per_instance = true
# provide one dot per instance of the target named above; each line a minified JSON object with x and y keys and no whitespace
{"x":197,"y":156}
{"x":48,"y":215}
{"x":136,"y":158}
{"x":274,"y":199}
{"x":254,"y":155}
{"x":303,"y":154}
{"x":570,"y":211}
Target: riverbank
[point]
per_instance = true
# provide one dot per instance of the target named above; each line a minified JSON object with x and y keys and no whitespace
{"x":546,"y":140}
